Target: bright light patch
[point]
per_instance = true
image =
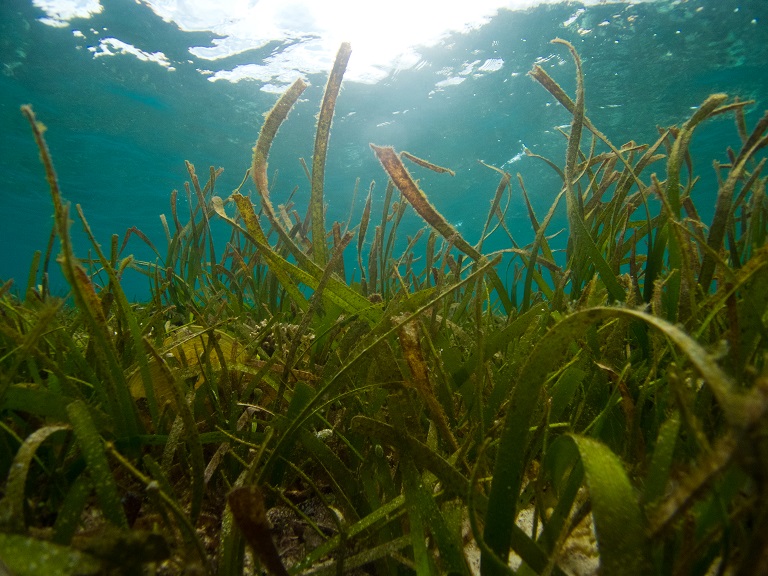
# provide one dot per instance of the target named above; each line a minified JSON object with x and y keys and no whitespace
{"x":491,"y":65}
{"x":383,"y":36}
{"x":60,"y":12}
{"x":452,"y":81}
{"x":112,"y":46}
{"x":306,"y":34}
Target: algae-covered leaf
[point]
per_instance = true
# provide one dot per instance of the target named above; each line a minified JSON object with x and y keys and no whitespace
{"x":92,"y":447}
{"x":114,"y":393}
{"x":123,"y":550}
{"x":427,"y":517}
{"x":680,"y":149}
{"x":418,"y":523}
{"x":336,"y":291}
{"x":277,"y":264}
{"x":190,"y":348}
{"x":618,"y":520}
{"x":409,"y":342}
{"x":427,"y":164}
{"x":563,"y":390}
{"x":12,"y":504}
{"x":268,"y":131}
{"x":319,"y":248}
{"x":453,"y":480}
{"x":190,"y":428}
{"x":247,"y":505}
{"x":661,"y":463}
{"x":402,"y":179}
{"x":512,"y":455}
{"x":71,"y":509}
{"x":25,"y":556}
{"x":416,"y":197}
{"x":584,"y":244}
{"x":36,"y":400}
{"x":376,"y":518}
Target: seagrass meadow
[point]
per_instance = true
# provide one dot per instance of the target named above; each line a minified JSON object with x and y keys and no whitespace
{"x":267,"y":412}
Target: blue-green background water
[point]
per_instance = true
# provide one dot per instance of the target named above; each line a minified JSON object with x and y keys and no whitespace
{"x":120,"y":129}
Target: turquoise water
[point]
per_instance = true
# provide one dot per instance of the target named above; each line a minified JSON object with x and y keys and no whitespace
{"x":120,"y":128}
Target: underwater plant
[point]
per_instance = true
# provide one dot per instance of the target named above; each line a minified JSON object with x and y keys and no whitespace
{"x":262,"y":412}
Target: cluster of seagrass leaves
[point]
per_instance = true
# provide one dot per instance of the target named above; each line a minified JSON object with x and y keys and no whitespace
{"x":405,"y":421}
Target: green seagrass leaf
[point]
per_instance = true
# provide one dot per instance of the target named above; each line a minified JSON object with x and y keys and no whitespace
{"x":618,"y":520}
{"x":25,"y":556}
{"x":92,"y":447}
{"x":12,"y":504}
{"x":661,"y":462}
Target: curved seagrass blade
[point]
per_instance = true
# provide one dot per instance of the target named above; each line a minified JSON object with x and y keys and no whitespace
{"x":408,"y":188}
{"x":584,"y":243}
{"x":247,"y":504}
{"x":740,"y":409}
{"x":307,"y":270}
{"x":114,"y":391}
{"x":403,"y":181}
{"x":617,"y":516}
{"x":12,"y":504}
{"x":336,"y":290}
{"x":426,"y":164}
{"x":319,"y":249}
{"x":272,"y":123}
{"x":725,"y":194}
